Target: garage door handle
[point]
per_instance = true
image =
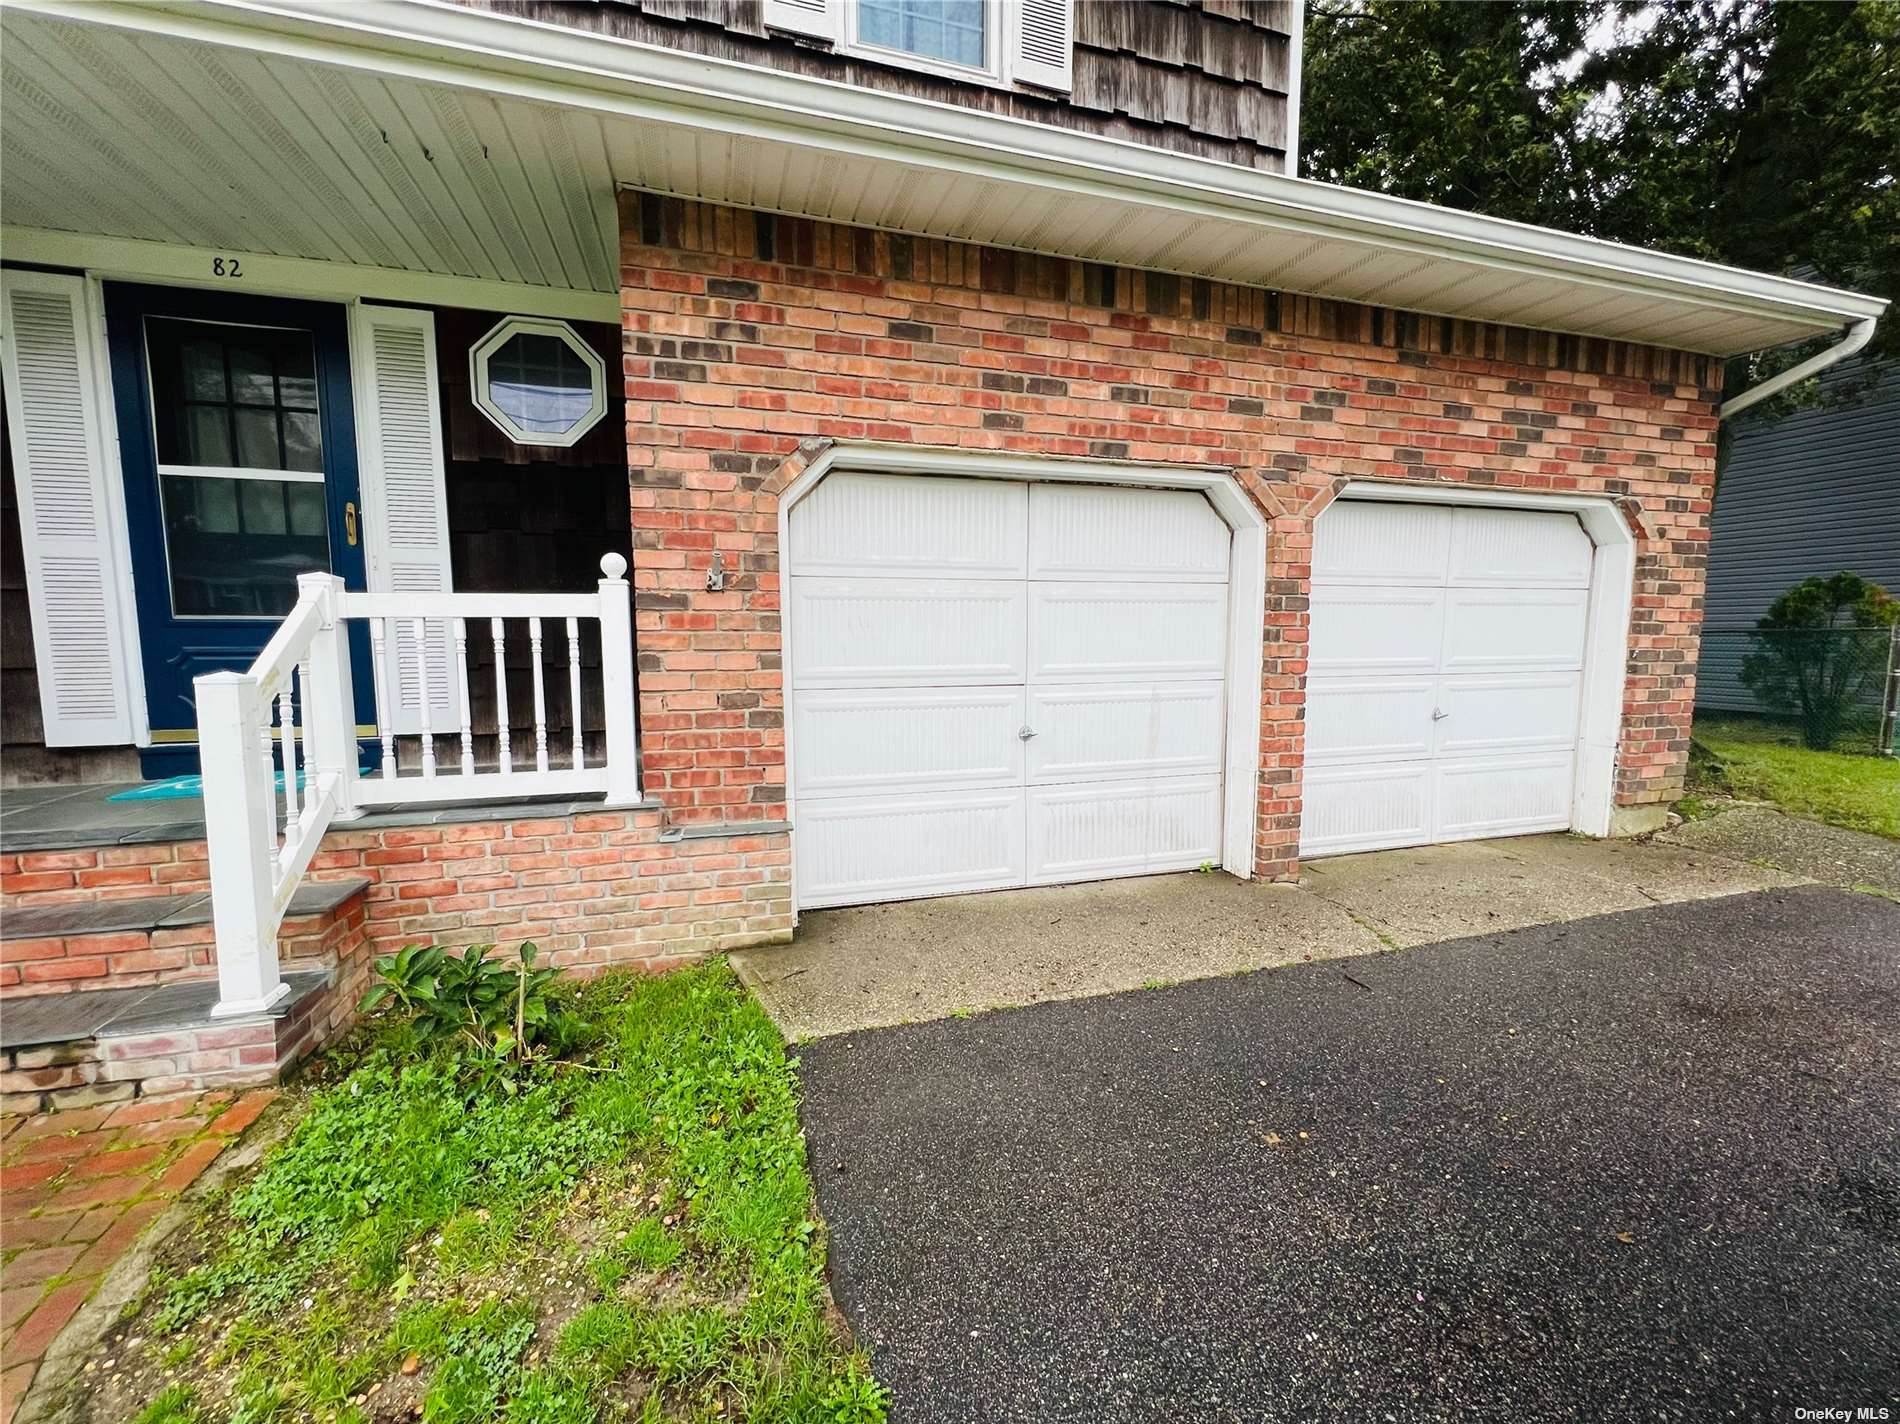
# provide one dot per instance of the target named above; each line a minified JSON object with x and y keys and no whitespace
{"x":1439,"y":714}
{"x":1024,"y":733}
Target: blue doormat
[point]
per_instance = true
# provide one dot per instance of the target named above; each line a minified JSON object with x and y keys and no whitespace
{"x":192,"y":788}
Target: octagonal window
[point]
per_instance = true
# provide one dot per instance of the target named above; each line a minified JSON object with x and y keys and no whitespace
{"x":538,"y":381}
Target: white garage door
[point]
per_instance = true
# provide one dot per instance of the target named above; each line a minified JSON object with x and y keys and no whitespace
{"x":997,"y":684}
{"x":1445,"y":674}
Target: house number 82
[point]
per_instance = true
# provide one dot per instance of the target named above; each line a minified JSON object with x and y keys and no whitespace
{"x":226,"y":267}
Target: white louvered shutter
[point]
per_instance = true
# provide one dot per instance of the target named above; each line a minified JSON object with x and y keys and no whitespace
{"x":1040,"y":36}
{"x":56,"y":430}
{"x":405,"y":505}
{"x":819,"y":19}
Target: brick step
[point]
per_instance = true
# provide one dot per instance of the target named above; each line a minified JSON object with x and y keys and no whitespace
{"x":66,"y":946}
{"x":113,"y":1045}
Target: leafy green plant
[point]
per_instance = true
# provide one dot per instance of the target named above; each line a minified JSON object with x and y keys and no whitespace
{"x":1820,"y":654}
{"x":488,"y":1005}
{"x":412,"y":1211}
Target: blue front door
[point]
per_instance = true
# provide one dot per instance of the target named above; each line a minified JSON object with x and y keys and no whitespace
{"x":239,"y":448}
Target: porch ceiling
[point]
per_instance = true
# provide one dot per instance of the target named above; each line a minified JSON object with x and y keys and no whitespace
{"x":435,"y":138}
{"x":142,"y":136}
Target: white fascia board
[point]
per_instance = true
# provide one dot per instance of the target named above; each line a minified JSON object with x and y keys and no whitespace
{"x":441,"y":42}
{"x":135,"y":259}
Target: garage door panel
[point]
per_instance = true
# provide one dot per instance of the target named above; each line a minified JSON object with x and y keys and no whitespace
{"x":1446,"y":666}
{"x":1361,"y":808}
{"x":1523,"y":548}
{"x":1362,"y":541}
{"x":856,"y":850}
{"x":907,"y":632}
{"x":1125,"y":535}
{"x":1368,"y":719}
{"x":1490,"y":716}
{"x":1126,"y":632}
{"x":862,"y":743}
{"x":934,"y":620}
{"x":1122,"y":828}
{"x":870,"y":526}
{"x":1091,"y":732}
{"x":1502,"y":796}
{"x":1365,"y":629}
{"x":1514,"y":629}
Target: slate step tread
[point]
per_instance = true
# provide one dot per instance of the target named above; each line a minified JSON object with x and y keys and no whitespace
{"x":90,"y":1013}
{"x":156,"y":912}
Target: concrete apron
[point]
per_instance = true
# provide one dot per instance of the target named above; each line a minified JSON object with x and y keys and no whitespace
{"x":876,"y":965}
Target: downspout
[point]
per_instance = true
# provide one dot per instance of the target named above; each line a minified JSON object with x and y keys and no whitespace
{"x":1858,"y":335}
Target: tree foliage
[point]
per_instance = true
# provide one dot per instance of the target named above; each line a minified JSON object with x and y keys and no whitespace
{"x":1821,"y":654}
{"x":1764,"y":135}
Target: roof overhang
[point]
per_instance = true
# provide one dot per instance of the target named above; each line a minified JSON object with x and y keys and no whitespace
{"x":666,"y":121}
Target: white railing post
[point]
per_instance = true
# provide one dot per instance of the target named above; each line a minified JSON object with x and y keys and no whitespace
{"x":240,"y":839}
{"x":330,"y":714}
{"x":616,"y":674}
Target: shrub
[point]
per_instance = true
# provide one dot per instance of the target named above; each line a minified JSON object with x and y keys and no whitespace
{"x":1821,"y":652}
{"x":480,"y":1006}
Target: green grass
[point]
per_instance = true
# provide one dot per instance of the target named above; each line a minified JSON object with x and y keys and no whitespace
{"x":627,"y":1236}
{"x":1761,"y":763}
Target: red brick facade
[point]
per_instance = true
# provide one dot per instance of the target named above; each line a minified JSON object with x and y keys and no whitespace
{"x":750,"y":342}
{"x":747,"y":337}
{"x":608,"y":887}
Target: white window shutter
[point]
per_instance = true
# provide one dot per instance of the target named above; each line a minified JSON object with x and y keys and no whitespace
{"x":819,"y":19}
{"x":405,"y":504}
{"x":1040,"y":38}
{"x":56,"y":429}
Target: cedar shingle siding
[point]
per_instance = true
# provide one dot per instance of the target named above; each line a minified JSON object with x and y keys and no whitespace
{"x":1205,"y":77}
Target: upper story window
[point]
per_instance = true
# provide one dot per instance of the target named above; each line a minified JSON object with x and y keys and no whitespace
{"x":983,"y":41}
{"x":953,"y":31}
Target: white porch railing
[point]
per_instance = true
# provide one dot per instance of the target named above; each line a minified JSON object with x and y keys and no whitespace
{"x":296,"y":706}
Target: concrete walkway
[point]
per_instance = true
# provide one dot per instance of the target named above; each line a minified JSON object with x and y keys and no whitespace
{"x":878,"y":965}
{"x":1761,"y":835}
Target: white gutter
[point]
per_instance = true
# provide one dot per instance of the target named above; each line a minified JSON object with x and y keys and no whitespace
{"x":431,"y":40}
{"x":1858,"y":335}
{"x":438,"y":42}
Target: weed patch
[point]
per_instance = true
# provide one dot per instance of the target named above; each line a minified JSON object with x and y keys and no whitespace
{"x":625,"y":1235}
{"x":1761,"y":763}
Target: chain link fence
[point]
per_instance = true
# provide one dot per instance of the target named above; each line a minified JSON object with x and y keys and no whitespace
{"x":1835,"y":689}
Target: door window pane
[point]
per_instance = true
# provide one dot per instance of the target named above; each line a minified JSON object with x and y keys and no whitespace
{"x":307,"y":511}
{"x":303,"y":442}
{"x":253,"y":382}
{"x":257,"y":447}
{"x":262,"y":503}
{"x":950,"y":30}
{"x":207,"y":436}
{"x":236,"y":546}
{"x":202,"y":364}
{"x":234,"y":395}
{"x":217,"y":505}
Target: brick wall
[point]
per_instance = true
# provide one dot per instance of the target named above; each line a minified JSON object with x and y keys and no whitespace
{"x":128,"y":959}
{"x":592,"y":890}
{"x":748,"y":336}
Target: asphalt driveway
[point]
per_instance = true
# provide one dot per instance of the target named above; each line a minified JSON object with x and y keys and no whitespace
{"x":1641,"y":1165}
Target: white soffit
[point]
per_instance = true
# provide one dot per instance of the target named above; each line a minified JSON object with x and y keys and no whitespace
{"x":432,"y":137}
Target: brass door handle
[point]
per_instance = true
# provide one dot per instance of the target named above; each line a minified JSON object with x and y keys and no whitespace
{"x":349,"y":522}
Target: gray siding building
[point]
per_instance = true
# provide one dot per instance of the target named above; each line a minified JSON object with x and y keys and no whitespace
{"x":1813,"y":493}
